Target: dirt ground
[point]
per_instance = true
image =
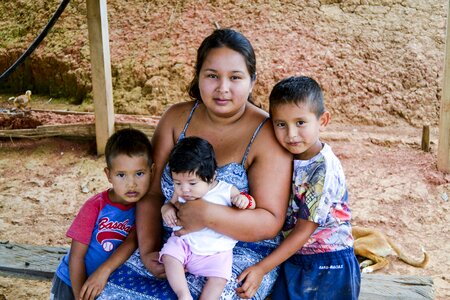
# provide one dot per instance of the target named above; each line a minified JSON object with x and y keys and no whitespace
{"x":379,"y":62}
{"x":394,"y":186}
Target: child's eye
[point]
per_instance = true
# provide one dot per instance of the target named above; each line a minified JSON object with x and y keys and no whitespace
{"x":193,"y":183}
{"x":120,"y":175}
{"x":140,"y":174}
{"x":211,"y":76}
{"x":280,"y":125}
{"x":235,"y":77}
{"x":300,"y":123}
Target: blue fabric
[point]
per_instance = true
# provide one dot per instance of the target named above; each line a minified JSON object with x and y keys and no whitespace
{"x":331,"y":275}
{"x":133,"y":281}
{"x":233,"y":173}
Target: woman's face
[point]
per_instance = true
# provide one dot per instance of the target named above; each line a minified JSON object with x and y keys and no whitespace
{"x":224,"y":82}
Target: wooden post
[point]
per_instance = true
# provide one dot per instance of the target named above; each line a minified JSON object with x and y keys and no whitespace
{"x":426,"y":138}
{"x":101,"y":71}
{"x":443,"y":155}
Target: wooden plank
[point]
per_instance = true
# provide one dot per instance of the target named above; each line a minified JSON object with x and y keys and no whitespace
{"x":41,"y":262}
{"x":64,"y":130}
{"x":443,"y":155}
{"x":426,"y":138}
{"x":70,"y":130}
{"x":29,"y":261}
{"x":101,"y":71}
{"x":380,"y":287}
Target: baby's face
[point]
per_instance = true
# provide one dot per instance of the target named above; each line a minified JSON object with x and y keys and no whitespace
{"x":189,"y":186}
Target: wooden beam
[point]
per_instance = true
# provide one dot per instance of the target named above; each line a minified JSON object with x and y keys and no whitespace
{"x":426,"y":138}
{"x":380,"y":286}
{"x":70,"y":130}
{"x":28,"y":261}
{"x":40,"y":262}
{"x":101,"y":71}
{"x":443,"y":156}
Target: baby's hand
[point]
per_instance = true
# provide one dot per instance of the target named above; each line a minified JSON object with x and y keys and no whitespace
{"x":169,"y":214}
{"x":242,"y":201}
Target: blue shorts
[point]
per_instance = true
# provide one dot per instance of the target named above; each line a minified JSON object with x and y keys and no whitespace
{"x":331,"y":275}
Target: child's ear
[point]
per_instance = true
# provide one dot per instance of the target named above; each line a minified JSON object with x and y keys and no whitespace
{"x":324,"y":120}
{"x":108,"y":174}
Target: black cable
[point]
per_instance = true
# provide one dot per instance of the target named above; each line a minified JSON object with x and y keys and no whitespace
{"x":37,"y":41}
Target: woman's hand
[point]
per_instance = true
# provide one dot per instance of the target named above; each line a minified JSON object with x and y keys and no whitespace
{"x":192,"y":216}
{"x":251,"y":277}
{"x":151,"y":262}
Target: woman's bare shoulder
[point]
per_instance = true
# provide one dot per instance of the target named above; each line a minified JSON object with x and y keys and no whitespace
{"x":176,"y":113}
{"x":178,"y":109}
{"x":172,"y":121}
{"x":259,"y":116}
{"x":265,"y":139}
{"x":255,"y":111}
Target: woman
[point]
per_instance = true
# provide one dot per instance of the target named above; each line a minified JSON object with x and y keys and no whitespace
{"x":248,"y":156}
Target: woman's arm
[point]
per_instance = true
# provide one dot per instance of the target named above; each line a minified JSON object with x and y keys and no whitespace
{"x":148,"y":212}
{"x":269,"y":173}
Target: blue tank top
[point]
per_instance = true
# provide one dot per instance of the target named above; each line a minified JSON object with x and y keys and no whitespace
{"x":233,"y":173}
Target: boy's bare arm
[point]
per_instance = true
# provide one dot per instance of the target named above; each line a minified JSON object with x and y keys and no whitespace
{"x":95,"y":284}
{"x":77,"y":268}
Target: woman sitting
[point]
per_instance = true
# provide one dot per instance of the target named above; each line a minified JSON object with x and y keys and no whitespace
{"x":248,"y":156}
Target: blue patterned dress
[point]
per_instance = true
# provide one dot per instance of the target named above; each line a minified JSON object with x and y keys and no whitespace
{"x":133,"y":281}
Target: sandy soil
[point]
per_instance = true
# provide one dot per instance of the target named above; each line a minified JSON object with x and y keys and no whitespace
{"x":394,"y":186}
{"x":379,"y":62}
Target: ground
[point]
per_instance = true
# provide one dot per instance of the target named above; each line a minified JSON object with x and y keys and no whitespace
{"x":394,"y":186}
{"x":379,"y":62}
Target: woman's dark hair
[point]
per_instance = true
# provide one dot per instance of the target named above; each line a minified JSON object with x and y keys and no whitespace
{"x":298,"y":90}
{"x":193,"y":155}
{"x":218,"y":39}
{"x":129,"y":141}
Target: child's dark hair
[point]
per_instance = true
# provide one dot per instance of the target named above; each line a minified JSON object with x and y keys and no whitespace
{"x":296,"y":90}
{"x":220,"y":38}
{"x":194,"y":155}
{"x":129,"y":141}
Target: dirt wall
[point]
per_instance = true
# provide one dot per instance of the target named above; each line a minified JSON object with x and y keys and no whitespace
{"x":379,"y":61}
